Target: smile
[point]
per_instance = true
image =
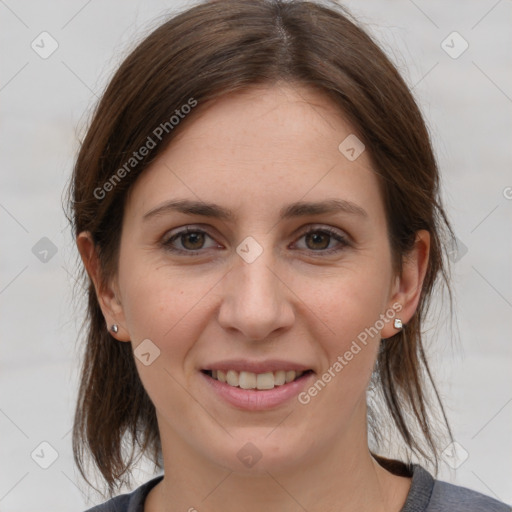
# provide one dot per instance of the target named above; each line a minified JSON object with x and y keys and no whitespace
{"x":259,"y":381}
{"x":262,"y":391}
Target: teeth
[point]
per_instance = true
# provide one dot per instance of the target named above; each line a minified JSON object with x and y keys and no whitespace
{"x":232,"y":378}
{"x":247,"y":380}
{"x":290,"y":375}
{"x":250,"y":380}
{"x":279,"y":378}
{"x":265,"y":380}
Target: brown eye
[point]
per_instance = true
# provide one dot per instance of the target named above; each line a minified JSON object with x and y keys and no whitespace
{"x":319,"y":240}
{"x":189,"y":240}
{"x":192,"y":241}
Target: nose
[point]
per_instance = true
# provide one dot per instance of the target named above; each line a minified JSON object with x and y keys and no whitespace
{"x":256,"y":300}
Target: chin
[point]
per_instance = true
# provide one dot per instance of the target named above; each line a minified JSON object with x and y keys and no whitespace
{"x":259,"y":453}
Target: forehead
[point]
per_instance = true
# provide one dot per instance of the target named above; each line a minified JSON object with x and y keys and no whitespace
{"x":258,"y":149}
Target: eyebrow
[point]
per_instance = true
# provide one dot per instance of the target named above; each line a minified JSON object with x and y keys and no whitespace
{"x":298,"y":209}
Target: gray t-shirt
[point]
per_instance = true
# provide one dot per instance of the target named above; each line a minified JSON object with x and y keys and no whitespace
{"x":425,"y":495}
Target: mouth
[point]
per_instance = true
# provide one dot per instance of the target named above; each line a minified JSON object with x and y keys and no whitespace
{"x":256,"y":381}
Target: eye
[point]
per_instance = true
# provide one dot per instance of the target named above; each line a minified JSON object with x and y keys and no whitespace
{"x":191,"y":239}
{"x":317,"y":239}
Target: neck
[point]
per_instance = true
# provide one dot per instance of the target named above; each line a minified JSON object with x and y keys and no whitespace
{"x":345,"y":478}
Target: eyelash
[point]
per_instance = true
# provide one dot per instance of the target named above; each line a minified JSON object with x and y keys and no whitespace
{"x":167,"y":244}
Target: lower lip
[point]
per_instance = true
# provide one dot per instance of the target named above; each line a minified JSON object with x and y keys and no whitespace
{"x":258,"y":400}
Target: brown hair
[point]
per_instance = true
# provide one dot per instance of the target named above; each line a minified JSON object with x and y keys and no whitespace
{"x":206,"y":51}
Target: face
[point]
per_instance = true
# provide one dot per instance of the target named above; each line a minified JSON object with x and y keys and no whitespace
{"x":266,"y":288}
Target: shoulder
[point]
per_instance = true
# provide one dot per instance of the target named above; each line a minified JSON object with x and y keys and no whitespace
{"x":129,"y":502}
{"x":430,"y":495}
{"x":450,"y":497}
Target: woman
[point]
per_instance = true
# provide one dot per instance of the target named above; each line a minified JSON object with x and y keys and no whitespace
{"x":256,"y":205}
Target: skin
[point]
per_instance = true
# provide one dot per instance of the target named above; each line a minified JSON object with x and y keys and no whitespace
{"x":254,"y":152}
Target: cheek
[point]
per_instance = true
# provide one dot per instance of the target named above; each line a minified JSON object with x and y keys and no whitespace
{"x":161,"y":303}
{"x":349,"y":305}
{"x":167,"y":308}
{"x":350,"y":347}
{"x":349,"y":300}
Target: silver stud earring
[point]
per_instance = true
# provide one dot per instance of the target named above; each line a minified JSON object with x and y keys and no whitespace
{"x":397,"y":323}
{"x":114,"y":328}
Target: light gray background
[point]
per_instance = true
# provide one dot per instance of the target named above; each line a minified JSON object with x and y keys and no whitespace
{"x":468,"y":104}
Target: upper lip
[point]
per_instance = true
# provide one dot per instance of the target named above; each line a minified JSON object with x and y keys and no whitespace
{"x":269,"y":365}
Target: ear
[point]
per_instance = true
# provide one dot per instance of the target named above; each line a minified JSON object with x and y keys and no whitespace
{"x":107,"y":295}
{"x":408,"y":286}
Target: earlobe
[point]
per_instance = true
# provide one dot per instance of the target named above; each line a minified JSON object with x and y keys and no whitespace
{"x":106,"y":294}
{"x":409,"y":284}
